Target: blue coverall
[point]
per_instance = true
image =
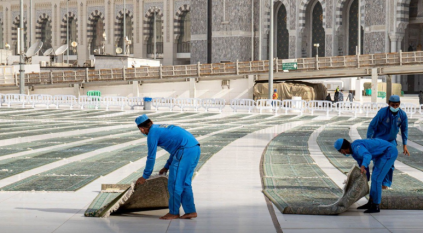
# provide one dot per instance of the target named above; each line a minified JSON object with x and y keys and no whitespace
{"x":386,"y":126}
{"x":383,"y":155}
{"x":184,"y":152}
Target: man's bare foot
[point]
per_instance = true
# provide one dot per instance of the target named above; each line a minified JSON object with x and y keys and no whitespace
{"x":189,"y":216}
{"x":385,"y":187}
{"x":169,"y":216}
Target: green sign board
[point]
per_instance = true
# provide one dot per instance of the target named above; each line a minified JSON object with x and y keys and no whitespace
{"x":289,"y":64}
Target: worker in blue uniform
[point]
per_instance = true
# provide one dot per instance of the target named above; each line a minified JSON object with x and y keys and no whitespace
{"x":184,"y":152}
{"x":386,"y":125}
{"x":363,"y":151}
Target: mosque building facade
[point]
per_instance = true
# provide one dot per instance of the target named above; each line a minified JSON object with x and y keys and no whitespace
{"x":208,"y":31}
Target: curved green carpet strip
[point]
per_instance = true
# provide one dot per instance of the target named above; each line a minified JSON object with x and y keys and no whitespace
{"x":209,"y":147}
{"x":406,"y":192}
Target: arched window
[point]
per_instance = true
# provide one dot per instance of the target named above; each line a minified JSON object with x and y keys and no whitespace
{"x":318,"y":32}
{"x":72,"y":36}
{"x":353,"y":29}
{"x":414,"y":11}
{"x":98,"y":30}
{"x":159,"y":34}
{"x":184,"y":41}
{"x":282,"y":34}
{"x":46,"y":35}
{"x":128,"y":22}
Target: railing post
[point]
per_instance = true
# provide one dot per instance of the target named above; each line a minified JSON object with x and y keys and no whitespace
{"x":74,"y":75}
{"x":123,"y":74}
{"x":276,"y":65}
{"x":161,"y":71}
{"x":198,"y":69}
{"x":317,"y":62}
{"x":358,"y":60}
{"x":251,"y":66}
{"x":237,"y":67}
{"x":86,"y":75}
{"x":63,"y":75}
{"x":135,"y":72}
{"x":400,"y":55}
{"x":51,"y":76}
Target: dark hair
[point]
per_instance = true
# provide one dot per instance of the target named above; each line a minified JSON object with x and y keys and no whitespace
{"x":346,"y":144}
{"x":145,"y":124}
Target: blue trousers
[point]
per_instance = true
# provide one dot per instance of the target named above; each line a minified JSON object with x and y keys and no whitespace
{"x":390,"y":176}
{"x":180,"y":177}
{"x":382,"y":166}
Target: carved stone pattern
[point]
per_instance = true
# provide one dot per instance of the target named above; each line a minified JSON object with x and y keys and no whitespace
{"x":110,"y":26}
{"x":178,"y":4}
{"x":149,"y":5}
{"x":341,"y":45}
{"x":378,"y":12}
{"x":63,"y":12}
{"x":129,"y":7}
{"x":81,"y":39}
{"x":293,"y":12}
{"x":38,"y":13}
{"x":138,"y":24}
{"x":292,"y":46}
{"x":374,"y":42}
{"x":329,"y":13}
{"x":328,"y":45}
{"x":94,"y":8}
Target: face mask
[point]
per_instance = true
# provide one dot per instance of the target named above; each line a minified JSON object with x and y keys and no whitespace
{"x":394,"y":109}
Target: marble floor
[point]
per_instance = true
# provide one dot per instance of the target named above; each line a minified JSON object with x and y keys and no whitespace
{"x":228,"y":199}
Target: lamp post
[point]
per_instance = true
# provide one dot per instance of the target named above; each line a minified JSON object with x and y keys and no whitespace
{"x":271,"y":50}
{"x":67,"y":29}
{"x":124,"y":28}
{"x":317,"y":45}
{"x":21,"y":61}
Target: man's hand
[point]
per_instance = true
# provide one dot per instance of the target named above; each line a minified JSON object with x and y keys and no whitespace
{"x":163,"y":171}
{"x":363,"y":170}
{"x":406,"y":150}
{"x":141,"y":180}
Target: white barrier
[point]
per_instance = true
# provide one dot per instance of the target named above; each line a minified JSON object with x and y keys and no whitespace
{"x":268,"y":104}
{"x":190,"y":103}
{"x":116,"y":101}
{"x":421,"y":109}
{"x":164,"y":103}
{"x":1,"y":99}
{"x":319,"y":106}
{"x":135,"y":102}
{"x":40,"y":100}
{"x":67,"y":100}
{"x":410,"y":109}
{"x":372,"y":107}
{"x":294,"y":105}
{"x":347,"y":107}
{"x":10,"y":99}
{"x":213,"y":104}
{"x":247,"y":104}
{"x":90,"y":101}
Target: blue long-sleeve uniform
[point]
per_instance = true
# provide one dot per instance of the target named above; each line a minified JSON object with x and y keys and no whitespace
{"x":383,"y":155}
{"x":386,"y":126}
{"x":184,"y":152}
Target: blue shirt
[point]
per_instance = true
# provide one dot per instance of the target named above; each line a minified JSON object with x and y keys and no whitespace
{"x":386,"y":126}
{"x":366,"y":150}
{"x":169,"y":137}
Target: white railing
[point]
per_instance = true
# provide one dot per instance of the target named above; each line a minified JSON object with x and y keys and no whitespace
{"x":421,"y":109}
{"x":20,"y":99}
{"x":164,"y":103}
{"x":190,"y":103}
{"x":213,"y":104}
{"x":410,"y":109}
{"x":347,"y":107}
{"x":40,"y":100}
{"x":319,"y":106}
{"x":114,"y":101}
{"x":1,"y":99}
{"x":135,"y":102}
{"x":89,"y":101}
{"x":294,"y":105}
{"x":268,"y":104}
{"x":64,"y":100}
{"x":246,"y":104}
{"x":372,"y":107}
